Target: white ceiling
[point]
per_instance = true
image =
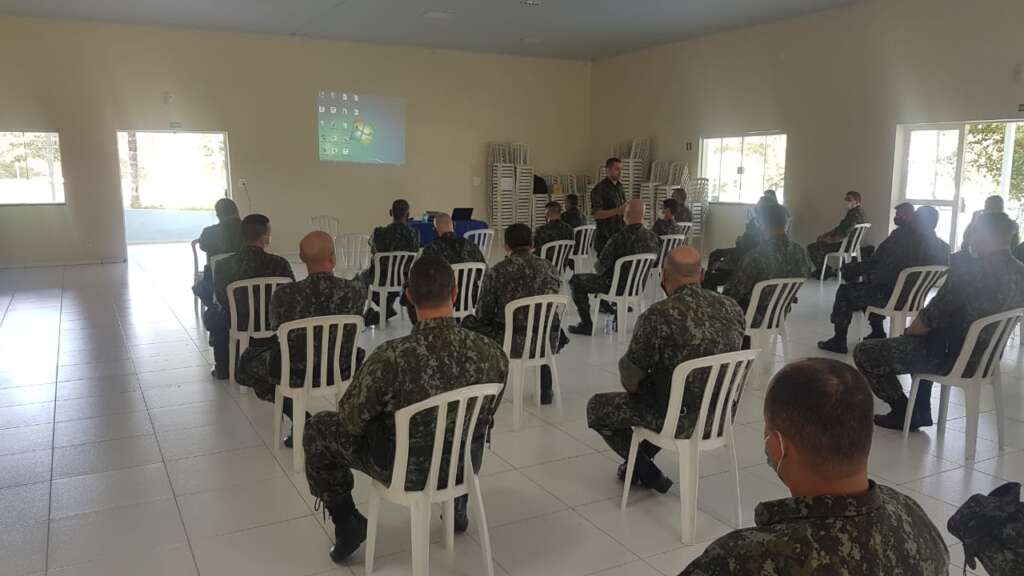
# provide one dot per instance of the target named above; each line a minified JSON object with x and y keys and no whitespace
{"x":579,"y":29}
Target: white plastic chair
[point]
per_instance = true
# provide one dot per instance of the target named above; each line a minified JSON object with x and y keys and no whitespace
{"x":686,"y":227}
{"x":329,"y":390}
{"x":467,"y":277}
{"x":849,"y":249}
{"x":328,"y":224}
{"x":258,"y":320}
{"x":557,"y":252}
{"x":354,"y":251}
{"x":669,"y":242}
{"x":212,"y":261}
{"x":390,"y":270}
{"x":732,"y":369}
{"x":419,"y":502}
{"x":986,"y":372}
{"x":772,"y":328}
{"x":636,"y":270}
{"x":583,"y":245}
{"x":541,"y":313}
{"x":916,"y":291}
{"x":483,"y":239}
{"x":197,"y":275}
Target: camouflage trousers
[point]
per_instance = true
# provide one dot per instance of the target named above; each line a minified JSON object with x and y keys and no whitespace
{"x":882,"y":361}
{"x":818,"y":250}
{"x":582,"y":286}
{"x":613,"y":415}
{"x":852,"y":298}
{"x":331,"y":456}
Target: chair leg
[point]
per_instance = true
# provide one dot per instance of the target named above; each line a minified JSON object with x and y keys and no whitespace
{"x":634,"y":446}
{"x":622,"y":319}
{"x":997,"y":394}
{"x":420,"y":513}
{"x":736,"y":472}
{"x":593,"y":316}
{"x":298,"y":430}
{"x":897,"y":325}
{"x":973,"y":411}
{"x":449,"y":526}
{"x":943,"y":407}
{"x":514,"y":372}
{"x":910,"y":406}
{"x":536,"y":388}
{"x":278,"y":415}
{"x":556,"y":390}
{"x":484,"y":533}
{"x":373,"y":516}
{"x":824,"y":267}
{"x":689,"y":477}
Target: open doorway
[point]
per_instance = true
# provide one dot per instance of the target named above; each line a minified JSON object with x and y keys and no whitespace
{"x":170,"y":182}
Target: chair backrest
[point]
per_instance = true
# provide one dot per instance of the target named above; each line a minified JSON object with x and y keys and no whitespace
{"x":557,"y":252}
{"x":851,"y":244}
{"x":782,"y":293}
{"x":483,"y":239}
{"x":669,"y":242}
{"x":212,"y":262}
{"x":467,"y":277}
{"x":541,"y":313}
{"x":686,"y":227}
{"x":318,"y":333}
{"x":986,"y":352}
{"x":258,"y":293}
{"x":726,"y":373}
{"x":391,"y":269}
{"x":461,"y":436}
{"x":355,"y":250}
{"x":631,"y":274}
{"x":913,"y":286}
{"x":195,"y":258}
{"x":583,"y":239}
{"x":328,"y":224}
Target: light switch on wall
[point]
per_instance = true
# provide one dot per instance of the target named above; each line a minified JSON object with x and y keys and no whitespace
{"x":476,"y":181}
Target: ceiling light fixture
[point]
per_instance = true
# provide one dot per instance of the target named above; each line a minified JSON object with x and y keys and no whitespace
{"x":533,"y":3}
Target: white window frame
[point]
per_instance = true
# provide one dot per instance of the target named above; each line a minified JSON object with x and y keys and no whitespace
{"x":54,"y":183}
{"x":703,"y":151}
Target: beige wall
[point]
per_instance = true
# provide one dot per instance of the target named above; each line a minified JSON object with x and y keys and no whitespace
{"x":837,"y":82}
{"x":90,"y":80}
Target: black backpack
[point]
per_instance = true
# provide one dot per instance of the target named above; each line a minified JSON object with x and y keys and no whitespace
{"x":992,"y":530}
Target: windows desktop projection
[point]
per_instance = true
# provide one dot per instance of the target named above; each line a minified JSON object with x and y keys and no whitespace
{"x":362,"y":128}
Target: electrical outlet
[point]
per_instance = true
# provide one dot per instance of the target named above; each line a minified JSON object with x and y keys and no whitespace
{"x":1020,"y":108}
{"x":243,"y":183}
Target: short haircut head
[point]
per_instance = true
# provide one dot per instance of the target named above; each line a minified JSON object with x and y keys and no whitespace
{"x":994,"y":203}
{"x":853,"y":195}
{"x":904,"y":208}
{"x":399,"y":209}
{"x":254,"y":227}
{"x":671,"y":204}
{"x":774,"y":217}
{"x":995,"y":226}
{"x":926,"y":218}
{"x":553,"y":208}
{"x":518,"y":235}
{"x":572,"y":200}
{"x":771,"y":194}
{"x":225,"y":208}
{"x":443,"y":223}
{"x":825,"y":409}
{"x":431,"y":281}
{"x":317,"y":247}
{"x":612,"y":161}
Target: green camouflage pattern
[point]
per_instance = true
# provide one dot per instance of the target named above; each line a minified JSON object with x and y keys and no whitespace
{"x":454,"y":249}
{"x":818,"y":250}
{"x":249,"y":262}
{"x":880,"y":532}
{"x":551,"y":232}
{"x":395,"y":237}
{"x":572,"y":217}
{"x":437,"y":357}
{"x":776,"y":257}
{"x":992,"y":530}
{"x":221,"y":238}
{"x":633,"y":239}
{"x":664,"y":227}
{"x":606,"y":196}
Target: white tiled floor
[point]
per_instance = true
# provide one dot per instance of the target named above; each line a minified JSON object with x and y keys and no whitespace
{"x":120,"y":456}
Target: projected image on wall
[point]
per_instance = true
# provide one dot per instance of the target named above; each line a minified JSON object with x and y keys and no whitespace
{"x":361,"y":128}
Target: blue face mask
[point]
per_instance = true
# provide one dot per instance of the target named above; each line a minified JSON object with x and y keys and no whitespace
{"x":776,"y":466}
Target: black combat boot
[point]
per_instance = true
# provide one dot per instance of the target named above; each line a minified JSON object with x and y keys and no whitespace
{"x":461,"y":516}
{"x":877,"y":328}
{"x":546,"y":394}
{"x":894,"y":419}
{"x":349,"y":528}
{"x":836,"y":343}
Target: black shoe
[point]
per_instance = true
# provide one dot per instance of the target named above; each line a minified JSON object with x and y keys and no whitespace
{"x":349,"y":533}
{"x":876,"y":335}
{"x":563,"y":340}
{"x":288,"y":440}
{"x":583,"y":328}
{"x":894,"y":420}
{"x":833,"y":345}
{"x":371,"y":318}
{"x":621,"y":474}
{"x":546,"y":394}
{"x":651,"y":477}
{"x":461,"y":517}
{"x":219,"y":374}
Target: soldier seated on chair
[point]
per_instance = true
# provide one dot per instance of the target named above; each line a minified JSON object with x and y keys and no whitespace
{"x":817,"y":420}
{"x":631,"y":240}
{"x":320,"y":294}
{"x":832,"y":240}
{"x":667,"y":224}
{"x":911,"y":244}
{"x":690,"y":323}
{"x":989,"y":282}
{"x":572,"y":215}
{"x":251,"y":261}
{"x":395,"y":237}
{"x":776,"y":257}
{"x":437,"y":357}
{"x":682,"y":212}
{"x":224,"y":237}
{"x":553,"y":229}
{"x":519,"y":275}
{"x":453,"y":248}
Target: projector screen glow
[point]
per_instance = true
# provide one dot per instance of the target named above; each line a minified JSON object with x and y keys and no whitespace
{"x":361,"y":128}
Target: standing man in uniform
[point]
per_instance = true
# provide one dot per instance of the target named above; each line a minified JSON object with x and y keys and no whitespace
{"x":832,"y":240}
{"x":519,"y":275}
{"x":989,"y":282}
{"x":633,"y":239}
{"x":572,"y":215}
{"x":553,"y":229}
{"x":251,"y":261}
{"x":817,"y":437}
{"x":667,"y":224}
{"x":607,"y":204}
{"x":689,"y":323}
{"x":437,"y":357}
{"x":453,"y":248}
{"x":395,"y":237}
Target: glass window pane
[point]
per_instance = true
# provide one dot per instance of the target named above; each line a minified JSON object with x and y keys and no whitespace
{"x":931,"y":164}
{"x":30,"y":170}
{"x":712,"y":155}
{"x":775,"y":165}
{"x":732,"y":159}
{"x":754,"y":148}
{"x":740,"y":169}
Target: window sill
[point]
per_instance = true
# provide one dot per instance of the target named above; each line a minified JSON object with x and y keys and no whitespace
{"x":32,"y":204}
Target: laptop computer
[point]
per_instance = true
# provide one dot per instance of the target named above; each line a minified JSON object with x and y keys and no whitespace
{"x":462,"y":214}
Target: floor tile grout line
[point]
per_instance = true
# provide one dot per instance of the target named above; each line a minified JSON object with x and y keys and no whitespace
{"x":53,"y":429}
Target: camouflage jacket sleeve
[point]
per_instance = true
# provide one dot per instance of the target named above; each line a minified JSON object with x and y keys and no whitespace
{"x":285,"y":269}
{"x":721,"y":558}
{"x":741,"y":284}
{"x":642,"y":356}
{"x":852,"y":218}
{"x":371,"y":393}
{"x":358,"y":301}
{"x":486,"y":314}
{"x":278,"y":313}
{"x":945,"y":308}
{"x":377,"y":240}
{"x":605,"y":264}
{"x":224,"y":275}
{"x":472,"y":253}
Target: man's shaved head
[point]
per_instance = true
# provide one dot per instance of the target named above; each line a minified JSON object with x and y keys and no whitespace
{"x":316,"y":250}
{"x":634,"y":213}
{"x":682,"y":266}
{"x":443,"y":224}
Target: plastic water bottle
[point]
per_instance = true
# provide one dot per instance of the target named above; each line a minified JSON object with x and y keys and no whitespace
{"x":609,"y":325}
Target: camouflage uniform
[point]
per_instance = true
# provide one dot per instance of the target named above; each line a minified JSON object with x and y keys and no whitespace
{"x":437,"y":357}
{"x":520,"y":275}
{"x":572,"y":217}
{"x":992,"y":530}
{"x":395,"y":237}
{"x":880,"y":532}
{"x":683,"y":214}
{"x":633,"y":239}
{"x":777,"y":257}
{"x":999,"y":277}
{"x":320,"y":294}
{"x":664,"y":227}
{"x":606,"y":196}
{"x":224,"y":237}
{"x":818,"y":250}
{"x":690,"y":323}
{"x":249,"y":262}
{"x":455,"y":250}
{"x":551,"y":232}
